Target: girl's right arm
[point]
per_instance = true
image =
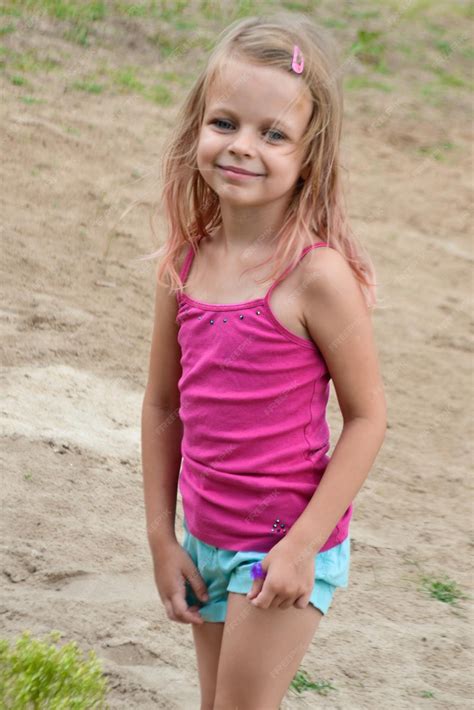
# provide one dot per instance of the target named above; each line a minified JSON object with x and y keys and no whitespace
{"x":161,"y":427}
{"x":162,"y":432}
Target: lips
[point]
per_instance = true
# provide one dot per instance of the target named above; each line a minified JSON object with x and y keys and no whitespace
{"x":240,"y":171}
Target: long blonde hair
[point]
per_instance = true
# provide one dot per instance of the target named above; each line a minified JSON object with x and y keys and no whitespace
{"x":317,"y":209}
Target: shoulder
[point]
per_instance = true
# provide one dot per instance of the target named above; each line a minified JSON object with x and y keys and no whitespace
{"x":329,"y":281}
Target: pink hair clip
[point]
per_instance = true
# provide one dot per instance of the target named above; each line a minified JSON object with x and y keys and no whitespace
{"x":296,"y":65}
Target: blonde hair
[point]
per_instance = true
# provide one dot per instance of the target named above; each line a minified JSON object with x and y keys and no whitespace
{"x":316,"y":210}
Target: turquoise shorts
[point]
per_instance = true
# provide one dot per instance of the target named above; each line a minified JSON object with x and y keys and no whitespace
{"x":226,"y":571}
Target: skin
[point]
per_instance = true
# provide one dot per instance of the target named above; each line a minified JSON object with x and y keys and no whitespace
{"x":240,"y":135}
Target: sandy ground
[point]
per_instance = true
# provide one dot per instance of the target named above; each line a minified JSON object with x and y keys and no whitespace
{"x":79,"y":175}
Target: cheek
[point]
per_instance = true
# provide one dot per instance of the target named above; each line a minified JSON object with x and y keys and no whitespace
{"x":207,"y":146}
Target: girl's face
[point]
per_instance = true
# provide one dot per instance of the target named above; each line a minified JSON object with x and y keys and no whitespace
{"x":255,"y":119}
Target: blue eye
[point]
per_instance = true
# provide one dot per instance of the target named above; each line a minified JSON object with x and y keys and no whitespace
{"x":220,"y":120}
{"x":278,"y":134}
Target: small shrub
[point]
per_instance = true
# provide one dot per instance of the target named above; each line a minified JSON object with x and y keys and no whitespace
{"x":35,"y":675}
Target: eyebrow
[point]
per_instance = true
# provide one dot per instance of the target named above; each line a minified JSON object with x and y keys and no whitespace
{"x":272,"y":121}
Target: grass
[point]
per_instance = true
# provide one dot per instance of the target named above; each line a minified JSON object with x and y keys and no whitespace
{"x":71,"y":10}
{"x":437,"y":150}
{"x":302,"y":682}
{"x":88,"y":86}
{"x":373,"y":42}
{"x":7,"y":29}
{"x":30,"y":61}
{"x":444,"y":590}
{"x":32,"y":100}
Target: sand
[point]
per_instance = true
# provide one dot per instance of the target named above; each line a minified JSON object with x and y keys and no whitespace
{"x":80,"y":173}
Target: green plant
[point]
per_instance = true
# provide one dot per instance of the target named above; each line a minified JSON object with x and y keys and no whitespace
{"x":302,"y":682}
{"x":369,"y":47}
{"x":35,"y":675}
{"x":445,"y":590}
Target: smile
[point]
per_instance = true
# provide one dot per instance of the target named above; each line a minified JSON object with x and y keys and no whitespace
{"x":238,"y":176}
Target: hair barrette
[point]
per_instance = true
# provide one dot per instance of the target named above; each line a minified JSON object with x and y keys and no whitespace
{"x":296,"y":65}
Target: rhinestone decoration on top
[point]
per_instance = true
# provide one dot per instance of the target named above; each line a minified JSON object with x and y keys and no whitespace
{"x":241,"y":317}
{"x":279,"y":527}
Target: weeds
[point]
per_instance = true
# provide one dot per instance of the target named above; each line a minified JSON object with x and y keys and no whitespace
{"x":302,"y":682}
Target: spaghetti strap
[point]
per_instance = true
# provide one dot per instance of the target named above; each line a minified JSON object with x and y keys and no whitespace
{"x":290,"y":268}
{"x":187,"y":262}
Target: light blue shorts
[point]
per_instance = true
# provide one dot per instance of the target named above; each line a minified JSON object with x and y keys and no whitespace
{"x":226,"y":571}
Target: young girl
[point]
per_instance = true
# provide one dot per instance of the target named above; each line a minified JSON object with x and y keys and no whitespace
{"x":239,"y":372}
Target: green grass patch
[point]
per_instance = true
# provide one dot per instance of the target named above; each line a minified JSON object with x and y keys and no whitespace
{"x":79,"y":13}
{"x":126,"y":78}
{"x":444,"y":590}
{"x":447,"y":79}
{"x":89,"y":86}
{"x":302,"y":682}
{"x":8,"y":29}
{"x":369,"y":47}
{"x":79,"y":34}
{"x":19,"y":81}
{"x":437,"y":150}
{"x":10,"y":11}
{"x":159,"y":94}
{"x":73,"y":10}
{"x":31,"y":100}
{"x":137,"y":9}
{"x":30,"y":62}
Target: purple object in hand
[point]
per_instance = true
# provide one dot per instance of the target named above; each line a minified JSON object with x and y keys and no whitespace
{"x":257,"y":571}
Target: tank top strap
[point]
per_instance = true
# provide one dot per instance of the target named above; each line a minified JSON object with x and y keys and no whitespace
{"x":188,"y":260}
{"x":290,"y":267}
{"x":186,"y":264}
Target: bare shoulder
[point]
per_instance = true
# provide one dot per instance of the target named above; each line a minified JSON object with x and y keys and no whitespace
{"x":328,"y":277}
{"x":339,"y":321}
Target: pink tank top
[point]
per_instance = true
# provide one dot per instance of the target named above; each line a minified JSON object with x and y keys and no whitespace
{"x":253,"y":398}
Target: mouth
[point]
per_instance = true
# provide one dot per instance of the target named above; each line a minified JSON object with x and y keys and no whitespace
{"x":238,"y":172}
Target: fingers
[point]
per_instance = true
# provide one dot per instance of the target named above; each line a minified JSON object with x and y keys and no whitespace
{"x":286,"y":604}
{"x":178,"y":610}
{"x":282,"y":602}
{"x":302,"y":601}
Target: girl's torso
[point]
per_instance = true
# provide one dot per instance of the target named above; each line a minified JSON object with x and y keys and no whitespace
{"x":253,"y":395}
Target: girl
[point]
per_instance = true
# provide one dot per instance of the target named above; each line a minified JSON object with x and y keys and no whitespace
{"x":239,"y":373}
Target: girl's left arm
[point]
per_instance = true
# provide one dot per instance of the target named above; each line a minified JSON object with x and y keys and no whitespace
{"x":339,"y":322}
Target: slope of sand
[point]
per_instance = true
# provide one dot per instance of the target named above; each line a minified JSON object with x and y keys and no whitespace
{"x":80,"y":173}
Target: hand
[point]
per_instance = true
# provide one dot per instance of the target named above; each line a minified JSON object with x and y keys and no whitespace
{"x":172,"y":566}
{"x":289,"y":580}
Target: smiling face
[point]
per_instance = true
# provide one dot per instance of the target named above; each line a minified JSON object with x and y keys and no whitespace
{"x":255,"y":119}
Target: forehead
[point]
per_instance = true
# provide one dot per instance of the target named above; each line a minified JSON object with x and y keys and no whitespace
{"x":265,"y":92}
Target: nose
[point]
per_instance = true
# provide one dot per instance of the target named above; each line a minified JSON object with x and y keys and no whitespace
{"x":242,"y":143}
